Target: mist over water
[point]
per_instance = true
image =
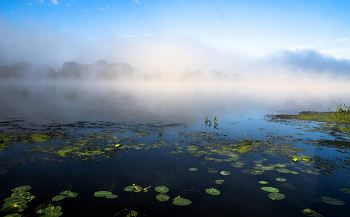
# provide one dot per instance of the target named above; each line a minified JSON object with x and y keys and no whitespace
{"x":164,"y":101}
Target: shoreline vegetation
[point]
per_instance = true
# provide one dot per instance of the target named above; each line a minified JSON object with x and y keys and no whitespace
{"x":337,"y":121}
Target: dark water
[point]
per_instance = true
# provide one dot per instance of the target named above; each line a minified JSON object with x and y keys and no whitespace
{"x":172,"y":118}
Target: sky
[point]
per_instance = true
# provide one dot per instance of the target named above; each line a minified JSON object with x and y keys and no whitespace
{"x":175,"y":34}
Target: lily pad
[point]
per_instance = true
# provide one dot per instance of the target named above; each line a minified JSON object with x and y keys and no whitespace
{"x":58,"y":197}
{"x":219,"y":182}
{"x":311,"y":213}
{"x":283,"y":170}
{"x":270,"y":189}
{"x":192,"y":169}
{"x":281,"y":179}
{"x":180,"y":201}
{"x":276,"y":196}
{"x":293,"y":172}
{"x":133,"y":188}
{"x":162,"y":189}
{"x":345,"y":190}
{"x":162,"y":197}
{"x":102,"y":193}
{"x":332,"y":201}
{"x":22,"y":188}
{"x":212,"y":191}
{"x":111,"y":196}
{"x":225,"y":173}
{"x":13,"y":215}
{"x":71,"y":194}
{"x":212,"y":170}
{"x":263,"y":182}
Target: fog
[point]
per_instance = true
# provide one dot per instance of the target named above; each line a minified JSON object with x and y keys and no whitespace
{"x":45,"y":75}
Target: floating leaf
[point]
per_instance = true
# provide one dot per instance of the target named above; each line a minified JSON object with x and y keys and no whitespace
{"x":281,"y":179}
{"x":276,"y":196}
{"x":283,"y":170}
{"x":192,"y":169}
{"x":162,"y":197}
{"x":280,"y":165}
{"x":311,"y":213}
{"x":263,"y":182}
{"x":162,"y":189}
{"x":293,"y":172}
{"x":332,"y":201}
{"x":111,"y":196}
{"x":180,"y":201}
{"x":212,"y":191}
{"x":102,"y":193}
{"x":270,"y":189}
{"x":22,"y":188}
{"x":345,"y":190}
{"x":219,"y":181}
{"x":225,"y":173}
{"x":58,"y":197}
{"x":71,"y":194}
{"x":133,"y":188}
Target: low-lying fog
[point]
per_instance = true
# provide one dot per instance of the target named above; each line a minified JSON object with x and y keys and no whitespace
{"x":170,"y":82}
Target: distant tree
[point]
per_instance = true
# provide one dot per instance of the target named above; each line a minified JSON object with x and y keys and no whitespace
{"x":47,"y":72}
{"x":20,"y":69}
{"x":71,"y":70}
{"x":5,"y":71}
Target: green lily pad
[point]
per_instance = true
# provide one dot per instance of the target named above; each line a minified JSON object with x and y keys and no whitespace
{"x":212,"y":170}
{"x":133,"y":188}
{"x":22,"y":188}
{"x":345,"y":190}
{"x":180,"y":201}
{"x":162,"y":197}
{"x":58,"y":197}
{"x":225,"y":173}
{"x":270,"y":189}
{"x":192,"y":169}
{"x":280,"y":165}
{"x":219,"y":182}
{"x":311,"y":213}
{"x":71,"y":194}
{"x":111,"y":196}
{"x":276,"y":196}
{"x":283,"y":170}
{"x":293,"y":172}
{"x":212,"y":191}
{"x":263,"y":182}
{"x":332,"y":201}
{"x":162,"y":189}
{"x":281,"y":179}
{"x":102,"y":193}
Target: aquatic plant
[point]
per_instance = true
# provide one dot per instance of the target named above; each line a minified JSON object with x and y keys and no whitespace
{"x":18,"y":200}
{"x":133,"y":188}
{"x":219,"y":182}
{"x":180,"y":201}
{"x":192,"y":169}
{"x":332,"y":201}
{"x":270,"y":189}
{"x":212,"y":191}
{"x":276,"y":196}
{"x":162,"y":197}
{"x":162,"y":189}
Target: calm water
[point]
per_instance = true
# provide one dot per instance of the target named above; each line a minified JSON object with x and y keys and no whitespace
{"x":172,"y":115}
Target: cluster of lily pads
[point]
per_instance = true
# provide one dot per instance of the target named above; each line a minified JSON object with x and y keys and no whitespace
{"x":106,"y":194}
{"x":48,"y":210}
{"x":18,"y":200}
{"x":63,"y":195}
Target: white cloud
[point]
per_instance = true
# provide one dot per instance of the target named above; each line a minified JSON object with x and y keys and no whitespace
{"x":109,"y":7}
{"x":101,"y":9}
{"x":13,"y":13}
{"x":341,"y":39}
{"x":85,"y":10}
{"x":39,"y":1}
{"x":68,"y":5}
{"x":137,"y":1}
{"x":53,"y":13}
{"x":55,"y":2}
{"x":167,"y":9}
{"x":30,"y":4}
{"x":143,"y":35}
{"x":342,"y":53}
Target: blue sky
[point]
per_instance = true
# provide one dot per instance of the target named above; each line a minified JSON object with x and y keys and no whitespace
{"x":54,"y":31}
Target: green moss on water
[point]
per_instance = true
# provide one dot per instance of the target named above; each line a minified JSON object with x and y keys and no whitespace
{"x":66,"y":150}
{"x":38,"y":137}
